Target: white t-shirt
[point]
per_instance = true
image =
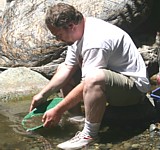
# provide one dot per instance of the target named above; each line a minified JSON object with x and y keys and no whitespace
{"x":104,"y":45}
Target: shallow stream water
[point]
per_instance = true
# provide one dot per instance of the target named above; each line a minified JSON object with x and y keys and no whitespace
{"x":14,"y":137}
{"x":126,"y":132}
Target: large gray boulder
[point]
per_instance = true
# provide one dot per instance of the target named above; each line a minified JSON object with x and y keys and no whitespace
{"x":25,"y":40}
{"x":20,"y":83}
{"x":127,"y":14}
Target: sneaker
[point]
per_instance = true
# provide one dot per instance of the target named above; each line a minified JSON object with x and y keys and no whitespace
{"x":78,"y":141}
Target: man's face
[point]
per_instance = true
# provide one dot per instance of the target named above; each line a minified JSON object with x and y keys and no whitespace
{"x":63,"y":34}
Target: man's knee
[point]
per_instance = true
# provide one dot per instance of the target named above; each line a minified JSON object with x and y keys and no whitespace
{"x":94,"y":77}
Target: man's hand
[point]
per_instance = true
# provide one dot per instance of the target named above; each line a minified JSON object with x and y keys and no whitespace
{"x":36,"y":101}
{"x":51,"y":118}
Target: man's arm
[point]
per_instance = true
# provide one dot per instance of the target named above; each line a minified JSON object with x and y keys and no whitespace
{"x":73,"y":98}
{"x":53,"y":116}
{"x":61,"y":77}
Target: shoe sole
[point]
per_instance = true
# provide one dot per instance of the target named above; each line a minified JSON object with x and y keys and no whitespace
{"x":80,"y":148}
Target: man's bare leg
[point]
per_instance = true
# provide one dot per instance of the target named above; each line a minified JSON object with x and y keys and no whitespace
{"x":94,"y":96}
{"x":94,"y":102}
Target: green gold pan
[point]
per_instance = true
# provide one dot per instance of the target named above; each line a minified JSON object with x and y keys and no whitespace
{"x":33,"y":120}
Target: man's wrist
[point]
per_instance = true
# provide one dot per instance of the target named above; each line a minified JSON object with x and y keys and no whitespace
{"x":59,"y":110}
{"x":43,"y":95}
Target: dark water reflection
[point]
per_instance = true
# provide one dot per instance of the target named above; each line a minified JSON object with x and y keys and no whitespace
{"x":9,"y":139}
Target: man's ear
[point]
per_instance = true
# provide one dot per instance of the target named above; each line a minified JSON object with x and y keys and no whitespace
{"x":71,"y":26}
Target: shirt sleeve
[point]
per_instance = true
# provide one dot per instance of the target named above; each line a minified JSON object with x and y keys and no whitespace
{"x":95,"y":58}
{"x":71,"y":57}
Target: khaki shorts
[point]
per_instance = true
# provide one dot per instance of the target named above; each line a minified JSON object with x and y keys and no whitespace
{"x":120,"y":89}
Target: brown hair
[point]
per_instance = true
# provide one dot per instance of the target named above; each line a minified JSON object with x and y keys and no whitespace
{"x":61,"y":15}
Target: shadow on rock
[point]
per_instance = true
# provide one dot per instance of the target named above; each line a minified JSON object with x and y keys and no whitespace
{"x":122,"y":123}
